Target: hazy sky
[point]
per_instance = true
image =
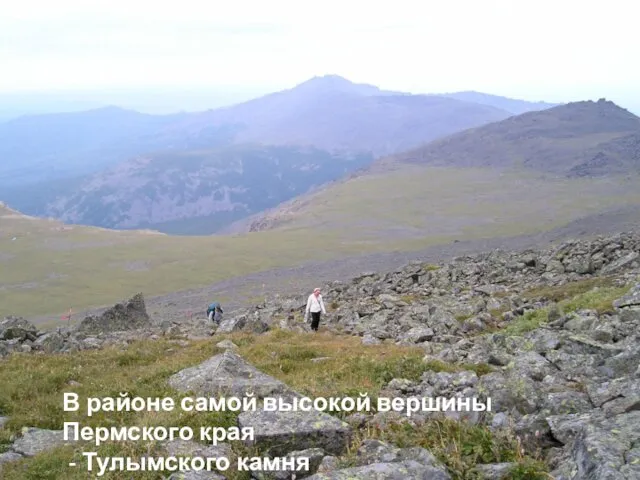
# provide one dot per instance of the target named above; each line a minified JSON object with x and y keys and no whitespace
{"x":558,"y":50}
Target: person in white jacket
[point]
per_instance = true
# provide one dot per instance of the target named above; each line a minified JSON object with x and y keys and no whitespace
{"x":315,"y":306}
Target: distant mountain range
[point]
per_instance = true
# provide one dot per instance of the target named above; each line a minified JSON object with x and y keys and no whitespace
{"x":197,"y":172}
{"x":325,"y":112}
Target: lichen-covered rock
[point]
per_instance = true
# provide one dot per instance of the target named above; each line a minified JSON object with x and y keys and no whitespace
{"x":407,"y":470}
{"x":370,"y":340}
{"x":228,"y":374}
{"x":329,"y":464}
{"x":620,"y":263}
{"x":417,"y":335}
{"x":17,"y":328}
{"x":51,"y":342}
{"x":9,"y":457}
{"x":227,"y":345}
{"x":495,"y":471}
{"x":313,"y":455}
{"x":282,"y":432}
{"x":243,"y":323}
{"x":631,"y":299}
{"x":191,"y":449}
{"x":130,"y":315}
{"x":196,"y":475}
{"x":35,"y":440}
{"x":376,"y":451}
{"x":597,"y":446}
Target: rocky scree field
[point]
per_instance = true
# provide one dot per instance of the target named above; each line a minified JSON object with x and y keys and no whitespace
{"x":550,"y":335}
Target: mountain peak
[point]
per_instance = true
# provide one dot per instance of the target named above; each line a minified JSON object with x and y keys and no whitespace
{"x":332,"y":83}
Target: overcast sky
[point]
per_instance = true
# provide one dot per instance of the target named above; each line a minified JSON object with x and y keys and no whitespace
{"x":556,"y":50}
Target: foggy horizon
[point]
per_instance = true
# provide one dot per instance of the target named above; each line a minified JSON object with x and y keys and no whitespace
{"x":547,"y":53}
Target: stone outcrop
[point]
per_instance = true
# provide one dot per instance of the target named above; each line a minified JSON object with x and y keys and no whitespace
{"x":124,"y":323}
{"x":228,"y":374}
{"x":130,"y":315}
{"x":406,"y":470}
{"x":31,"y":442}
{"x":17,"y":329}
{"x":279,"y":433}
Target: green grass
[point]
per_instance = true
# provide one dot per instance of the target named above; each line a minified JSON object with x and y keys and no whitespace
{"x":568,"y":290}
{"x":592,"y":294}
{"x":33,"y":387}
{"x":460,"y":446}
{"x":444,"y":202}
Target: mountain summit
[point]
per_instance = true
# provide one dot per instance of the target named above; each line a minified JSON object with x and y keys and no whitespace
{"x":336,"y":84}
{"x":335,"y":114}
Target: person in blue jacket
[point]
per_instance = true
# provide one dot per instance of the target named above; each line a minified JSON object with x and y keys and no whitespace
{"x":214,"y":312}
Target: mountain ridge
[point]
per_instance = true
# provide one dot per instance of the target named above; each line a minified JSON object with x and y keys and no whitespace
{"x":513,"y":105}
{"x":553,"y":140}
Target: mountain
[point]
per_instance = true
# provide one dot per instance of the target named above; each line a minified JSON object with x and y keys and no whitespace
{"x":512,"y":105}
{"x":327,"y":112}
{"x":335,"y":114}
{"x":580,"y":138}
{"x":531,"y":171}
{"x":197,"y":192}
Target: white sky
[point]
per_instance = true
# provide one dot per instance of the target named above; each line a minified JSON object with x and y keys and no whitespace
{"x":556,"y":50}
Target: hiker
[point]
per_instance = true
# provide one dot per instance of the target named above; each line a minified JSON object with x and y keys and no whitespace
{"x":315,"y":306}
{"x":214,"y":312}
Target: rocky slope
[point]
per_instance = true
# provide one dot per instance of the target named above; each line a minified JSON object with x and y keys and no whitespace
{"x":580,"y":138}
{"x":550,"y":335}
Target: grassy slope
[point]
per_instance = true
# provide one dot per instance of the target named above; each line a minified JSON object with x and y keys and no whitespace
{"x":449,"y":202}
{"x":49,"y":269}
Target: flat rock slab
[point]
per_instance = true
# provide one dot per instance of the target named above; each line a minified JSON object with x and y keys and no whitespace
{"x":598,"y":447}
{"x":228,"y":374}
{"x":631,"y":299}
{"x":9,"y":457}
{"x":497,"y":471}
{"x":314,"y":455}
{"x":385,"y":471}
{"x":34,"y":441}
{"x":284,"y":432}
